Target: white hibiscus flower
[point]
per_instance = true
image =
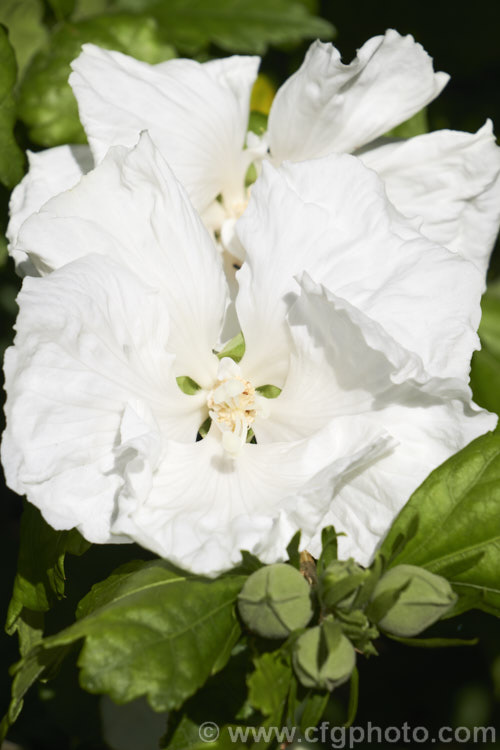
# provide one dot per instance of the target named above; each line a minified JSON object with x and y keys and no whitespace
{"x":363,"y":327}
{"x":197,"y":114}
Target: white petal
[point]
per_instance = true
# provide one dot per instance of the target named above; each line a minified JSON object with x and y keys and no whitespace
{"x":131,"y":208}
{"x":206,"y":506}
{"x":50,"y":172}
{"x":328,"y":106}
{"x":367,"y":504}
{"x":331,"y":218}
{"x":429,"y":421}
{"x":341,"y":363}
{"x":451,"y":180}
{"x":197,"y":114}
{"x":91,"y":393}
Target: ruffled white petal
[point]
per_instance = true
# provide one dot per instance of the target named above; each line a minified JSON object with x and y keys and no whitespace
{"x":451,"y":181}
{"x":196,"y":113}
{"x":328,"y":106}
{"x":131,"y":208}
{"x":368,"y":502}
{"x":92,"y":394}
{"x":50,"y":172}
{"x":204,"y":506}
{"x":341,"y":363}
{"x":377,"y":379}
{"x":331,"y":218}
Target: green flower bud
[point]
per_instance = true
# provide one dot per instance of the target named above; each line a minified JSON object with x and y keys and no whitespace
{"x":275,"y":600}
{"x":424,"y":598}
{"x":323,"y":657}
{"x":340,"y":582}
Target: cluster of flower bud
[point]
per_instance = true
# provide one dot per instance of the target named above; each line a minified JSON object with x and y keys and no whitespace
{"x":350,"y":604}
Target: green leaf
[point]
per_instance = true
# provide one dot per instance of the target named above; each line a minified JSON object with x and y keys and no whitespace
{"x":293,"y":550}
{"x":148,"y":630}
{"x":187,"y":385}
{"x":249,"y":562}
{"x":40,"y":578}
{"x":235,"y":349}
{"x":352,"y":706}
{"x":47,"y":105}
{"x":90,"y":8}
{"x":26,"y":672}
{"x":416,"y":125}
{"x":220,"y":700}
{"x":233,"y":25}
{"x":485,"y":371}
{"x":328,"y":548}
{"x":313,"y":709}
{"x":269,"y":684}
{"x":11,"y":156}
{"x":458,"y":535}
{"x":62,"y":8}
{"x":27,"y":34}
{"x":433,"y":642}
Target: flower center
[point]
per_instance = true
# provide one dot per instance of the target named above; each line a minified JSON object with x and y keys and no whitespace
{"x":233,"y":405}
{"x":237,"y":207}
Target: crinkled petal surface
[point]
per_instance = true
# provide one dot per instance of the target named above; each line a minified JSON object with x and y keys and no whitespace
{"x":354,"y":367}
{"x":331,"y":218}
{"x":327,"y":106}
{"x":100,"y":437}
{"x":371,"y":357}
{"x":197,"y":114}
{"x":451,"y":181}
{"x":204,"y":506}
{"x":50,"y":172}
{"x":131,"y":208}
{"x":91,"y":393}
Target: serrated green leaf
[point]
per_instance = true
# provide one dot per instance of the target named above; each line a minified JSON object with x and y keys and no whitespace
{"x":485,"y":371}
{"x":235,"y":349}
{"x":47,"y":105}
{"x":416,"y":125}
{"x":27,"y":34}
{"x":233,"y":25}
{"x":147,"y":630}
{"x":269,"y":684}
{"x":11,"y":156}
{"x":459,"y":508}
{"x":40,"y":578}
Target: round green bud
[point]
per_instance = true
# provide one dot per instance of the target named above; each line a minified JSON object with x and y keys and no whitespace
{"x":426,"y":598}
{"x":323,"y":659}
{"x":275,"y":600}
